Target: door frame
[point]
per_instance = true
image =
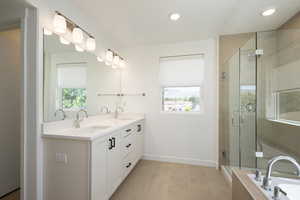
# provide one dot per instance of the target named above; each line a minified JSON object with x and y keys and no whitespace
{"x":28,"y":24}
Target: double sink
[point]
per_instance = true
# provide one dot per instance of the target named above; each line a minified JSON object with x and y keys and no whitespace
{"x":92,"y":129}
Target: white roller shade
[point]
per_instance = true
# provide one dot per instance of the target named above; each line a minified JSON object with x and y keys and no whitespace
{"x":182,"y":70}
{"x":72,"y":75}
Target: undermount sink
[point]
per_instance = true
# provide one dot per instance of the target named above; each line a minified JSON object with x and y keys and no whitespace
{"x":98,"y":127}
{"x":124,"y":118}
{"x":89,"y":129}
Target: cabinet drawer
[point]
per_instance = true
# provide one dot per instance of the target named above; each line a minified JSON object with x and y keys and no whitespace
{"x":128,"y":144}
{"x":128,"y":131}
{"x":128,"y":164}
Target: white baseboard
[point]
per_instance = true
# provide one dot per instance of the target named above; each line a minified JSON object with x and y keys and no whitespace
{"x":226,"y":175}
{"x":173,"y":159}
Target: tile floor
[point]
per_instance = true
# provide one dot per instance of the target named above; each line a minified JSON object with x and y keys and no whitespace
{"x":151,"y":180}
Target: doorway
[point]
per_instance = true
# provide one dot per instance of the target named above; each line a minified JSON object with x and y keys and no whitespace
{"x":10,"y":112}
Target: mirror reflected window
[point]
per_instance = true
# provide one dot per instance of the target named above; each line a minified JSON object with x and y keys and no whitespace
{"x":73,"y":79}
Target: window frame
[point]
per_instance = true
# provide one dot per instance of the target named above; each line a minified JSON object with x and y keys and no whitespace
{"x":276,"y":97}
{"x":201,"y":111}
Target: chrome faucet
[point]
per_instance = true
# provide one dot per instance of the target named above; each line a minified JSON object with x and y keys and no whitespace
{"x":118,"y":109}
{"x":267,"y":179}
{"x":78,"y":120}
{"x":63,"y":113}
{"x":104,"y":108}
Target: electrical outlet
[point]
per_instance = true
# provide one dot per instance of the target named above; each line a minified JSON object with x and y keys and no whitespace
{"x":61,"y":158}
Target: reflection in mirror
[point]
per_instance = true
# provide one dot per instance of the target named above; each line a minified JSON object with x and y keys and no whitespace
{"x":73,"y":79}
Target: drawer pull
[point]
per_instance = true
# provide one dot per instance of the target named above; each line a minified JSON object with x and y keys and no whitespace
{"x":128,"y":145}
{"x":113,"y":142}
{"x":139,"y":128}
{"x":110,"y":144}
{"x":129,"y":164}
{"x":128,"y":130}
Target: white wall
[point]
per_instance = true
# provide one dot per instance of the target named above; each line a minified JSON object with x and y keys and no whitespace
{"x":187,"y":138}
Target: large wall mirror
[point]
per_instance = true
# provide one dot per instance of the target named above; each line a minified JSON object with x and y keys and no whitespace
{"x":73,"y":80}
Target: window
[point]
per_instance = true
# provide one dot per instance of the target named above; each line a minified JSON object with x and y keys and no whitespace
{"x":181,"y":80}
{"x":288,"y":105}
{"x":71,"y":86}
{"x":181,"y":99}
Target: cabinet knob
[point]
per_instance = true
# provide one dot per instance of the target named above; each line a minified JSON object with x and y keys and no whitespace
{"x":128,"y":145}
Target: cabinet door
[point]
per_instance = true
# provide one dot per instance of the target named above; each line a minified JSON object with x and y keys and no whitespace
{"x":99,"y":170}
{"x":114,"y":164}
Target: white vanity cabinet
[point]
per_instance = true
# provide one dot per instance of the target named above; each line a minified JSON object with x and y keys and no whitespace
{"x":93,"y":169}
{"x":99,"y":170}
{"x":114,"y":159}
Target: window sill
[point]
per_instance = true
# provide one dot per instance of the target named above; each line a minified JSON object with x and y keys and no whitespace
{"x":292,"y":123}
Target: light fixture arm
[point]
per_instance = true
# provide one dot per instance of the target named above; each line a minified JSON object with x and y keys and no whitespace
{"x":74,"y":25}
{"x":116,"y":54}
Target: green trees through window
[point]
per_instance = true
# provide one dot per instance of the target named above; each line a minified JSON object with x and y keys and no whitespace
{"x":74,"y":98}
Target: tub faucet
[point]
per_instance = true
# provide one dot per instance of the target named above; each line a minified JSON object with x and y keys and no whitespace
{"x":78,"y":120}
{"x":267,"y":179}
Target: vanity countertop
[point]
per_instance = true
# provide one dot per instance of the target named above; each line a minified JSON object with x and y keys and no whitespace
{"x":91,"y":128}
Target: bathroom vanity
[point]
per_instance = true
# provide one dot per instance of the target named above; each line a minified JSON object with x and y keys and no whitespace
{"x":89,"y":163}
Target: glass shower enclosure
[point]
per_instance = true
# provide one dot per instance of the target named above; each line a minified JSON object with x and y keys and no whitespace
{"x":261,"y":101}
{"x":241,"y":139}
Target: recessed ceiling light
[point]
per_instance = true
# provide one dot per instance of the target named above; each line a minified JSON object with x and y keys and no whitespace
{"x":174,"y":16}
{"x":268,"y":12}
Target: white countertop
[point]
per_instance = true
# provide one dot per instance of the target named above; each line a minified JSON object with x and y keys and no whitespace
{"x":91,"y":128}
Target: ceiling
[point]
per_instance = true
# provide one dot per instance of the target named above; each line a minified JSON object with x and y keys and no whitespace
{"x":140,"y":22}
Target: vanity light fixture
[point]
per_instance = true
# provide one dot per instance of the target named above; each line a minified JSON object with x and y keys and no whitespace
{"x":79,"y":48}
{"x":90,"y":44}
{"x":47,"y":32}
{"x":268,"y":12}
{"x":64,"y":40}
{"x":109,"y":55}
{"x":107,"y":63}
{"x":59,"y":24}
{"x":116,"y":60}
{"x":77,"y":35}
{"x":99,"y":59}
{"x":174,"y":16}
{"x":122,"y":63}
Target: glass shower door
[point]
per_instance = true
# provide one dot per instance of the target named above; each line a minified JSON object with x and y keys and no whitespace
{"x":234,"y":110}
{"x":247,"y":98}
